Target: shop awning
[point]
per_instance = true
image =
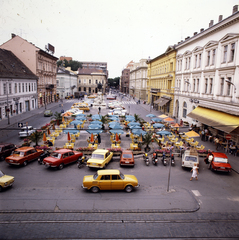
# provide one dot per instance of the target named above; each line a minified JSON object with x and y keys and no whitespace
{"x":161,"y":101}
{"x":216,"y":119}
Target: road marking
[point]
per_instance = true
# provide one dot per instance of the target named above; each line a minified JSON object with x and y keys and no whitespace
{"x":235,"y":199}
{"x":196,"y":193}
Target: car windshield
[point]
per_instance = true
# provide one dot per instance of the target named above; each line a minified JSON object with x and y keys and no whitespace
{"x":122,"y":176}
{"x":18,"y":153}
{"x":191,"y":158}
{"x":220,"y":160}
{"x":56,"y":155}
{"x":97,"y":156}
{"x":127,"y":155}
{"x":1,"y":174}
{"x":47,"y":111}
{"x":95,"y":176}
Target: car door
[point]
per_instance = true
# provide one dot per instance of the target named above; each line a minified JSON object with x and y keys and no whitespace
{"x":71,"y":157}
{"x":116,"y":182}
{"x":105,"y":182}
{"x":65,"y":158}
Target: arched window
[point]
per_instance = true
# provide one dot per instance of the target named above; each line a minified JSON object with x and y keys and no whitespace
{"x":184,"y":109}
{"x":79,"y":81}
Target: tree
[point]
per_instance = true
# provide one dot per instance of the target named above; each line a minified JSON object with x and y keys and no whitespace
{"x":57,"y":116}
{"x":72,"y":63}
{"x":36,"y":136}
{"x":114,"y":82}
{"x":138,"y":118}
{"x":147,"y":140}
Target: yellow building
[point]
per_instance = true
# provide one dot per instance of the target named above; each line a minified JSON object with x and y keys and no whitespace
{"x":161,"y":81}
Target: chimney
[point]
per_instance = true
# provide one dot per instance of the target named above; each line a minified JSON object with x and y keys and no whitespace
{"x":202,"y":29}
{"x":235,"y":9}
{"x":211,"y":23}
{"x":13,"y":35}
{"x":220,"y":18}
{"x":195,"y":33}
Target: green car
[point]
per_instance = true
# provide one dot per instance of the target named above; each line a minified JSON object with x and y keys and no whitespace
{"x":48,"y":113}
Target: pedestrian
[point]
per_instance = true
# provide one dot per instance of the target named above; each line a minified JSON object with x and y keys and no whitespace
{"x":195,"y":172}
{"x":99,"y":139}
{"x":99,"y":109}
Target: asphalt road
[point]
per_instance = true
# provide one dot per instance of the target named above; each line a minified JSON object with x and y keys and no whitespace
{"x":50,"y":204}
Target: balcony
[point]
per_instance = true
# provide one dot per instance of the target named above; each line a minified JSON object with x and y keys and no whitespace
{"x":49,"y":86}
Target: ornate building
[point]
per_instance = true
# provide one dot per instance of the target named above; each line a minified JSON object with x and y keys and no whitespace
{"x":40,"y":63}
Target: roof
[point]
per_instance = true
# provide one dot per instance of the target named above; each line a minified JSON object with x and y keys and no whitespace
{"x":108,"y":171}
{"x":24,"y":149}
{"x":219,"y":155}
{"x":13,"y":67}
{"x":101,"y":151}
{"x":63,"y":150}
{"x":87,"y":71}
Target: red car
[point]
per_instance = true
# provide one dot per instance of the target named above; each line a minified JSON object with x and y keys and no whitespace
{"x":127,"y":158}
{"x":62,"y":157}
{"x":23,"y":155}
{"x":220,"y":162}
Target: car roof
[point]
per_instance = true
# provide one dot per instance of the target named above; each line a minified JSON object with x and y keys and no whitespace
{"x":24,"y":149}
{"x":220,"y":155}
{"x":101,"y":151}
{"x":127,"y":151}
{"x":5,"y":144}
{"x":108,"y":171}
{"x":63,"y":150}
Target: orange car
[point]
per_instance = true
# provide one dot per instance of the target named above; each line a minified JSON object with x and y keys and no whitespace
{"x":127,"y":158}
{"x":23,"y":155}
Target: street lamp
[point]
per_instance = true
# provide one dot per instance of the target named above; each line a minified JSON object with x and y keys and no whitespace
{"x":229,"y":82}
{"x":176,"y":106}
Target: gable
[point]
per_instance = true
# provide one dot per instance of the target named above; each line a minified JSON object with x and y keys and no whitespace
{"x":211,"y":44}
{"x":229,"y":37}
{"x":197,"y":49}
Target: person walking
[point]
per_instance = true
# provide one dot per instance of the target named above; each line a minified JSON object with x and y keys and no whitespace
{"x":99,"y":109}
{"x":195,"y":172}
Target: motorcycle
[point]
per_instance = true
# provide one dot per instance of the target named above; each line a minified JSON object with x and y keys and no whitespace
{"x":155,"y":159}
{"x":146,"y":159}
{"x":81,"y":162}
{"x":42,"y":156}
{"x":164,"y":160}
{"x":172,"y":160}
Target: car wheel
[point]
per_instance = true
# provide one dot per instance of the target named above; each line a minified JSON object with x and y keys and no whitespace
{"x":60,"y":166}
{"x":25,"y":163}
{"x":128,"y":188}
{"x":95,"y":189}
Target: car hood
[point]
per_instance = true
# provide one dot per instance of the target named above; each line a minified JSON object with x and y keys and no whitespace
{"x":88,"y":178}
{"x":6,"y":178}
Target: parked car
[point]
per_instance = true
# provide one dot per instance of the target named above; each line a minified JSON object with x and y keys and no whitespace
{"x":26,"y":131}
{"x":5,"y":180}
{"x":23,"y":155}
{"x":111,"y":97}
{"x":6,"y":150}
{"x":190,"y":157}
{"x":127,"y":158}
{"x":220,"y":162}
{"x":48,"y":113}
{"x":109,"y":180}
{"x":60,"y":158}
{"x":100,"y":158}
{"x":45,"y":154}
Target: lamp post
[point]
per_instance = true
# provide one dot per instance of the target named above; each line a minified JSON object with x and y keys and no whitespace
{"x":8,"y":110}
{"x":176,"y":106}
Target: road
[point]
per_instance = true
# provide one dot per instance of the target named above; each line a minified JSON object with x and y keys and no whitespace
{"x":48,"y":203}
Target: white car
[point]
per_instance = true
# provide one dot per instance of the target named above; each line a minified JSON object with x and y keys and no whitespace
{"x":189,"y":158}
{"x":26,"y":131}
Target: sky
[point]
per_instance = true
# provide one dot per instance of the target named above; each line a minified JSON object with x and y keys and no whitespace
{"x":112,"y":31}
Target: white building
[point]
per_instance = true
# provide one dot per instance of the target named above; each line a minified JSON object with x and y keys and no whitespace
{"x":207,"y":77}
{"x":66,"y":82}
{"x":138,"y":79}
{"x":18,"y":86}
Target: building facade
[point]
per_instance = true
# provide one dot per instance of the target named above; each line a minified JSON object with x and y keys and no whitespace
{"x":40,"y":62}
{"x":66,"y":82}
{"x":161,"y":81}
{"x":207,"y":77}
{"x":138,"y":80}
{"x":18,"y":86}
{"x":125,"y":78}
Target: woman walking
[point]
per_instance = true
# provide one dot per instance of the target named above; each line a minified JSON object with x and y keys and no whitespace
{"x":195,"y":172}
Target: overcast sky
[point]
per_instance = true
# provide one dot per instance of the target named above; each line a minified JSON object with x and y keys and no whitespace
{"x":112,"y":31}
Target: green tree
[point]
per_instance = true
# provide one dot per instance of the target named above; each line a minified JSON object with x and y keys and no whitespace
{"x":72,"y":63}
{"x":57,"y":116}
{"x":147,"y":140}
{"x":138,"y":118}
{"x":114,"y":82}
{"x":36,"y":136}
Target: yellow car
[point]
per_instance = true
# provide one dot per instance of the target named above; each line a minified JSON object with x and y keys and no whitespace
{"x":100,"y":158}
{"x":110,"y":180}
{"x":5,"y":181}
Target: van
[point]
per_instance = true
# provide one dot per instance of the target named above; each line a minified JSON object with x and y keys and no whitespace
{"x":190,"y":157}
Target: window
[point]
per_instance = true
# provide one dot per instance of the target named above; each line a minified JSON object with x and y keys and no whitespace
{"x":26,"y":87}
{"x":186,"y":63}
{"x":22,"y":87}
{"x":19,"y":87}
{"x":222,"y":86}
{"x":196,"y":59}
{"x":194,"y":85}
{"x":15,"y":87}
{"x":35,"y":87}
{"x":89,"y":81}
{"x":4,"y":88}
{"x":232,"y":51}
{"x":189,"y":62}
{"x":32,"y":87}
{"x":84,"y":81}
{"x":210,"y":85}
{"x":229,"y":87}
{"x":200,"y":58}
{"x":206,"y":84}
{"x":29,"y":87}
{"x":213,"y":56}
{"x":208,"y":58}
{"x":96,"y":81}
{"x":9,"y":88}
{"x":184,"y":109}
{"x":79,"y":81}
{"x":198,"y":81}
{"x":225,"y":54}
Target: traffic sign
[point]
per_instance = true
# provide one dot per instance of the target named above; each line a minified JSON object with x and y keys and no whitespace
{"x":20,"y":125}
{"x":228,"y":137}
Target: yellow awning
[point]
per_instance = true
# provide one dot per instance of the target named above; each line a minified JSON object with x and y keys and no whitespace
{"x":216,"y":119}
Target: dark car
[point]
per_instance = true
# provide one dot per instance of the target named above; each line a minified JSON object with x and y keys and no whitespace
{"x":48,"y":113}
{"x":6,"y":150}
{"x":127,"y":158}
